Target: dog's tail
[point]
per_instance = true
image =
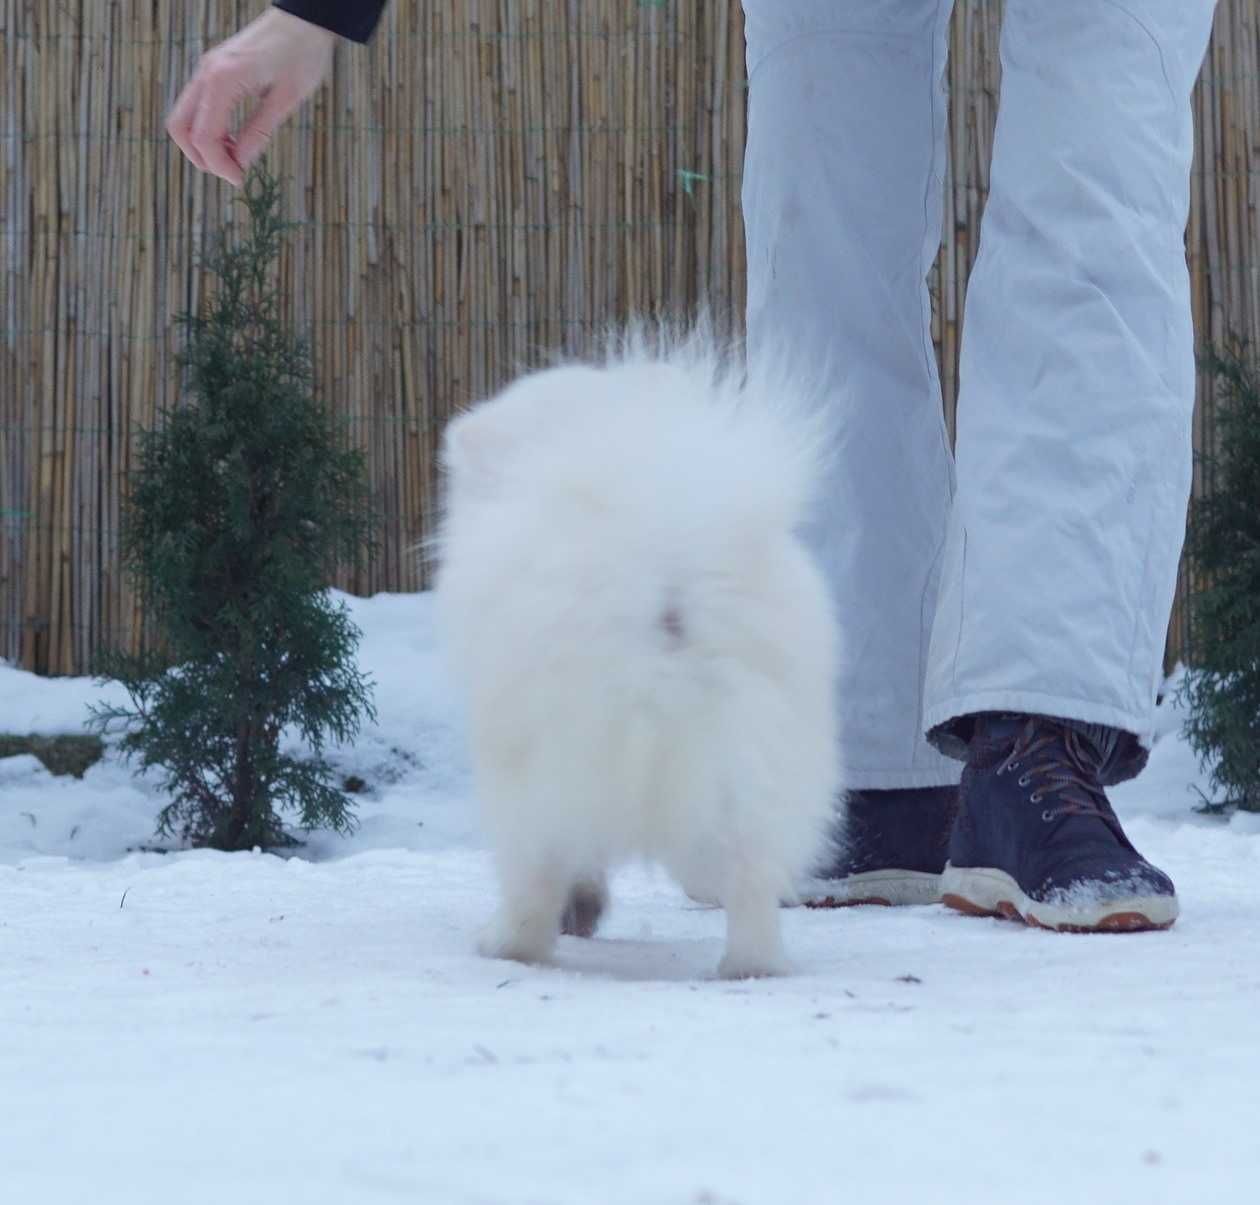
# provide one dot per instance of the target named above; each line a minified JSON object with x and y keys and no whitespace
{"x":775,"y":425}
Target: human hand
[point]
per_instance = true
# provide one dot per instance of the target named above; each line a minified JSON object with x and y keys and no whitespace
{"x":278,"y":58}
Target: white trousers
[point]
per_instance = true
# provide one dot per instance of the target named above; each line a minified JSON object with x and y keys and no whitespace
{"x":1037,"y":573}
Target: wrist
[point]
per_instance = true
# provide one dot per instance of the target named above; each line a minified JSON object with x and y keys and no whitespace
{"x":289,"y":25}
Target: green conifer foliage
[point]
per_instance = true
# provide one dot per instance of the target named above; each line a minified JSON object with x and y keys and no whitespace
{"x":245,"y":500}
{"x":1223,"y":687}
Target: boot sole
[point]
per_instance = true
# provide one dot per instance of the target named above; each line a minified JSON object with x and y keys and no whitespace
{"x":986,"y":891}
{"x":879,"y":888}
{"x":883,"y":888}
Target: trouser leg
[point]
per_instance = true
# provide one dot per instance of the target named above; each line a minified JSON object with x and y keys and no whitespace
{"x":1077,"y":375}
{"x":842,"y":200}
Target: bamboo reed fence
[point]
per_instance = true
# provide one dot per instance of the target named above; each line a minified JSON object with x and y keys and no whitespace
{"x":491,"y":180}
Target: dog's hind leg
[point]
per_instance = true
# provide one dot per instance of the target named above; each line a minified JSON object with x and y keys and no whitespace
{"x":754,"y":940}
{"x":534,"y":893}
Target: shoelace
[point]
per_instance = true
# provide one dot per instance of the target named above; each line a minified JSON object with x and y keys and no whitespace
{"x":1067,"y":774}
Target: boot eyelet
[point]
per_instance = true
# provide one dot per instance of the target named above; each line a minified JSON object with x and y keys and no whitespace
{"x":1023,"y":780}
{"x":1047,"y":815}
{"x":1035,"y":797}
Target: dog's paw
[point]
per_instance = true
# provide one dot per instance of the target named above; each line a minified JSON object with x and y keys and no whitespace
{"x":514,"y":946}
{"x":749,"y":966}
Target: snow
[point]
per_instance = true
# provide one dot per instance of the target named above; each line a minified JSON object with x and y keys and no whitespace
{"x":192,"y":1026}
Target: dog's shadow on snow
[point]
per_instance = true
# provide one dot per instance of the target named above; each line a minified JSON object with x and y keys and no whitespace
{"x":648,"y":961}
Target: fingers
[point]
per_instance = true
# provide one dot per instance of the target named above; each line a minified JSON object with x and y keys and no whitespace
{"x":210,"y":134}
{"x":252,"y":140}
{"x":199,"y":125}
{"x":179,"y":122}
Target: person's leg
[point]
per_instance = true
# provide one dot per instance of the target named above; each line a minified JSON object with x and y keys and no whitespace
{"x":1077,"y":375}
{"x":842,"y":200}
{"x":842,"y":205}
{"x":1074,"y":438}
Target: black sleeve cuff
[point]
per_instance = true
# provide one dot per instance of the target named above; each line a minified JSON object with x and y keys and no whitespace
{"x":353,"y":19}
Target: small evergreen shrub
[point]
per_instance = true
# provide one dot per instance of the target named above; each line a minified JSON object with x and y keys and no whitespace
{"x":1222,"y":689}
{"x":245,"y":500}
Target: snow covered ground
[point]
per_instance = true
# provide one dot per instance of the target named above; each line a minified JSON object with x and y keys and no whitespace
{"x":198,"y":1027}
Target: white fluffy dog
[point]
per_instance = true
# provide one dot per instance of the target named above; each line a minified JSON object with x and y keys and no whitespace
{"x":646,"y":644}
